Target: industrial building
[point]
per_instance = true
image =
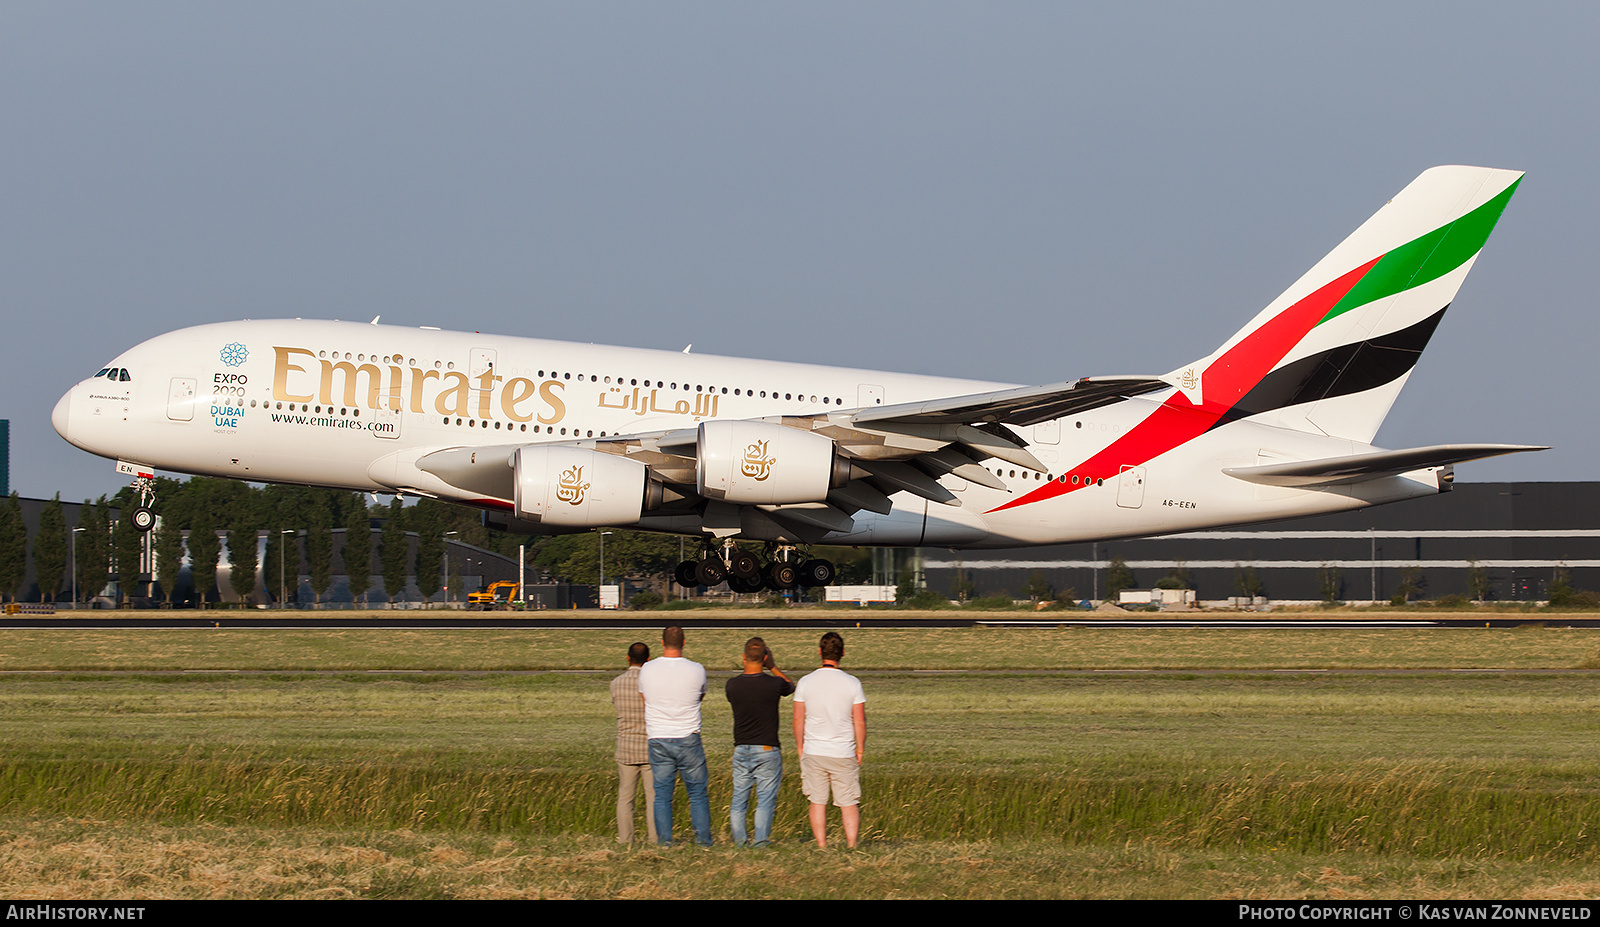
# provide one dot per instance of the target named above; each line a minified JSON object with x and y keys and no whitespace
{"x":1517,"y":533}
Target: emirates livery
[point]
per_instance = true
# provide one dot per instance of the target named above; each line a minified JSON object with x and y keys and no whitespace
{"x":548,"y":437}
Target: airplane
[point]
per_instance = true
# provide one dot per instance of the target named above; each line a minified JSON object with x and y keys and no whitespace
{"x":552,"y":437}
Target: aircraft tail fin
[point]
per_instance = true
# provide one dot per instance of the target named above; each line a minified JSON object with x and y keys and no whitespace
{"x":1331,"y":353}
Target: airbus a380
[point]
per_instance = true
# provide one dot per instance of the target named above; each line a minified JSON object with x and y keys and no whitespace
{"x":548,"y":436}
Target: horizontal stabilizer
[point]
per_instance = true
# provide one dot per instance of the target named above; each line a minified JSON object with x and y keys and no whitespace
{"x":1358,"y":468}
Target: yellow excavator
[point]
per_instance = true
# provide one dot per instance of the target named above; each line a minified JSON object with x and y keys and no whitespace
{"x":491,"y":599}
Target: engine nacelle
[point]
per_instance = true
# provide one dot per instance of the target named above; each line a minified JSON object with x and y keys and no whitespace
{"x":576,"y":487}
{"x":761,"y":463}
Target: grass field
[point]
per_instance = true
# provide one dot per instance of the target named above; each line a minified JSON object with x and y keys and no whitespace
{"x":1002,"y":763}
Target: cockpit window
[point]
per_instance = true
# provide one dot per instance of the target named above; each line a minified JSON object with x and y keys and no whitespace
{"x":103,"y":371}
{"x":124,"y":377}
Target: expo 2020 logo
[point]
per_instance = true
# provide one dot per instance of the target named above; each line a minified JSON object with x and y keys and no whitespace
{"x":234,"y":354}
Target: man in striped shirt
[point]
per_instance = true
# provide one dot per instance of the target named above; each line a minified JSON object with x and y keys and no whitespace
{"x":633,"y":751}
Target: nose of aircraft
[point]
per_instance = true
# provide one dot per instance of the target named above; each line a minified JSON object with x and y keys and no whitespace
{"x":61,"y":417}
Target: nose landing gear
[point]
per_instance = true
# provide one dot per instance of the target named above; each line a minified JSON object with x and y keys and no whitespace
{"x":143,"y":518}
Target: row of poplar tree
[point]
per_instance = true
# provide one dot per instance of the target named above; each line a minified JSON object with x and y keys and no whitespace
{"x":199,"y":516}
{"x":214,"y":512}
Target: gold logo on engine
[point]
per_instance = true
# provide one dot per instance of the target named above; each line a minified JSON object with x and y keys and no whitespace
{"x":757,"y":464}
{"x":570,"y":486}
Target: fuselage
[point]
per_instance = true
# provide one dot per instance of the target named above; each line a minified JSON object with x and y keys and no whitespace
{"x":354,"y":406}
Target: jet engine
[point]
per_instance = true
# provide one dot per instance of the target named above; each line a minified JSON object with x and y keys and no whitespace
{"x":577,"y":487}
{"x":761,"y":463}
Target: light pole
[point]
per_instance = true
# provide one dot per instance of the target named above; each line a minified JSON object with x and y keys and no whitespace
{"x":1373,"y":538}
{"x":445,"y":554}
{"x":283,"y":589}
{"x":75,"y":567}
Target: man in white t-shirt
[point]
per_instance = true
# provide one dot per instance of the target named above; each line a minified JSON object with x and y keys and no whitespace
{"x":672,"y":689}
{"x":830,"y":731}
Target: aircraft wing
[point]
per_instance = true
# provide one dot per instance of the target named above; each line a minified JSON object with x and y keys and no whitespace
{"x":857,"y":458}
{"x":1358,"y":468}
{"x":1026,"y":405}
{"x":904,"y":447}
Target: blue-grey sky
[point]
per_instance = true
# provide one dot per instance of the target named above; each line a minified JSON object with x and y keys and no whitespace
{"x":1024,"y":192}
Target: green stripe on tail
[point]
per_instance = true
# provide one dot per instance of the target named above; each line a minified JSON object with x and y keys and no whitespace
{"x":1426,"y":258}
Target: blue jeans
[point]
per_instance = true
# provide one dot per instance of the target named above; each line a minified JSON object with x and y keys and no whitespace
{"x":760,"y":769}
{"x":681,"y":757}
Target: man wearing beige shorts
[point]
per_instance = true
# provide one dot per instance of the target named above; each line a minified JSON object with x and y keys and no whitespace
{"x":830,"y":731}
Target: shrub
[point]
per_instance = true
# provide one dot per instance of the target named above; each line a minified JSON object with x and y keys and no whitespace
{"x":1562,"y":594}
{"x":927,"y":599}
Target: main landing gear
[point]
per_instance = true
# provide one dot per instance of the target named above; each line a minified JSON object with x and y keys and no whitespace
{"x":785,"y":569}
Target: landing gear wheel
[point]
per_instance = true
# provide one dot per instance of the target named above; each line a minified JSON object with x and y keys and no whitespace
{"x":816,"y":573}
{"x":685,"y":574}
{"x":143,"y":518}
{"x":710,"y":571}
{"x":782,"y":576}
{"x":741,"y":584}
{"x":744,"y":565}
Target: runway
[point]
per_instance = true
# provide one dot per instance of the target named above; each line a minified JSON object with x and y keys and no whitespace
{"x":595,"y":619}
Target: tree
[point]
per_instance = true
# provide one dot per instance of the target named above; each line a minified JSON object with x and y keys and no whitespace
{"x":357,"y":553}
{"x":1411,"y":584}
{"x":319,"y":545}
{"x":127,"y":549}
{"x":1246,"y":582}
{"x":13,"y":546}
{"x":204,"y":549}
{"x":242,"y":560}
{"x":1478,"y":583}
{"x":1562,"y":593}
{"x":629,"y":554}
{"x":93,"y":550}
{"x":962,"y":587}
{"x":396,"y":554}
{"x":426,"y":523}
{"x":1039,"y":587}
{"x":1331,"y":583}
{"x":50,"y":550}
{"x":1177,"y":578}
{"x":853,"y":565}
{"x":1118,"y":578}
{"x":167,"y":544}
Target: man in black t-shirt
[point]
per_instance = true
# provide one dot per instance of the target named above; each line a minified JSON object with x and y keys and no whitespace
{"x":757,"y":757}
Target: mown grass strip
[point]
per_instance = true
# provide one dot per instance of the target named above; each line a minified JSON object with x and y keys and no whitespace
{"x":866,"y":649}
